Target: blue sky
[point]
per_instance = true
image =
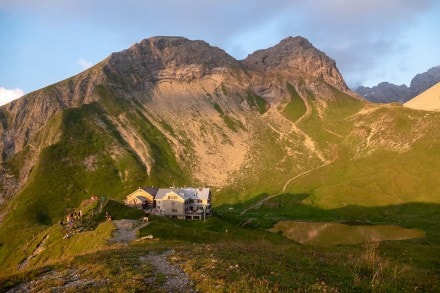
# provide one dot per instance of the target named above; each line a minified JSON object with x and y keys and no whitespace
{"x":46,"y":41}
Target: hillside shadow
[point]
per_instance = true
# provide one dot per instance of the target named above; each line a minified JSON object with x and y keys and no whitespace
{"x":263,"y":212}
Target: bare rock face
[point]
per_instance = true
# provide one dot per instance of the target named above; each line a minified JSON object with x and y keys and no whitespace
{"x":297,"y":53}
{"x":143,"y":64}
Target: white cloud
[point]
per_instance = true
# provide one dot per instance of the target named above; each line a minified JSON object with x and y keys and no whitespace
{"x":84,"y":63}
{"x":8,"y":95}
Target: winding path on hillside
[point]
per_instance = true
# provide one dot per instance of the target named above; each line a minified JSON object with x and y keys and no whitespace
{"x":309,"y":143}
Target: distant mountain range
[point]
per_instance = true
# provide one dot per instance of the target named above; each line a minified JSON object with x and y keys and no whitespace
{"x":386,"y":92}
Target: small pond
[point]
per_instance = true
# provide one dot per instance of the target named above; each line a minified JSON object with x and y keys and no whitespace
{"x":338,"y":233}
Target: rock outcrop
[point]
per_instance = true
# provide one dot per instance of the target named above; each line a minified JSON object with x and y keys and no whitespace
{"x":143,"y":64}
{"x":297,"y":53}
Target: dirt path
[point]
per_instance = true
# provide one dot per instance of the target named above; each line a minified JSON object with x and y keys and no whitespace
{"x":309,"y":143}
{"x":173,"y":277}
{"x":126,"y":230}
{"x":302,"y":174}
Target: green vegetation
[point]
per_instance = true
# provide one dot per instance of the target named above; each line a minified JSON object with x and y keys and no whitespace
{"x":257,"y":102}
{"x":230,"y":122}
{"x":120,"y":211}
{"x":296,"y":108}
{"x":90,"y":158}
{"x":340,"y":233}
{"x":168,"y":128}
{"x":233,"y":251}
{"x":120,"y":270}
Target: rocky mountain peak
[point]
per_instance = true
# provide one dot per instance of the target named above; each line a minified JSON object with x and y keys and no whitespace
{"x":297,"y":53}
{"x":293,"y":43}
{"x":181,"y":51}
{"x":157,"y":58}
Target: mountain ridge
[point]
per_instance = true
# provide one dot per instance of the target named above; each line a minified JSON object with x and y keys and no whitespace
{"x":386,"y":92}
{"x":298,"y":53}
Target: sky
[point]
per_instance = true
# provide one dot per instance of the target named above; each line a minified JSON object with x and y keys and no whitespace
{"x":46,"y":41}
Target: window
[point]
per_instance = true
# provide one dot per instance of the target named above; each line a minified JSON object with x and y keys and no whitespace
{"x":174,"y":210}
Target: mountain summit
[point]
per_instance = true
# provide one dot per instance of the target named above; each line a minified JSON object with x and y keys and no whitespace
{"x":297,"y":53}
{"x":147,"y":61}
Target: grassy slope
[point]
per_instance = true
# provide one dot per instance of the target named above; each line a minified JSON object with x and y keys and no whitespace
{"x":296,"y":108}
{"x":221,"y":255}
{"x":62,"y":179}
{"x":382,"y":177}
{"x":385,"y":186}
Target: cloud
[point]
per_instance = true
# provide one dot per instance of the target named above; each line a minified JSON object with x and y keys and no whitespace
{"x":84,"y":63}
{"x":8,"y":95}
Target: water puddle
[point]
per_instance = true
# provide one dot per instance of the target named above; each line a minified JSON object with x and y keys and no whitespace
{"x":338,"y":233}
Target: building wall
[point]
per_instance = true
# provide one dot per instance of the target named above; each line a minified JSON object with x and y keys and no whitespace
{"x":134,"y":198}
{"x":172,"y":205}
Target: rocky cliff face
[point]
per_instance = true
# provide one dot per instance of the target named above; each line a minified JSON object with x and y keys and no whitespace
{"x":146,"y":63}
{"x":297,"y":53}
{"x":386,"y":92}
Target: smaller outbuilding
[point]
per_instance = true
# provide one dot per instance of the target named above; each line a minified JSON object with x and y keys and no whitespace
{"x":142,"y":198}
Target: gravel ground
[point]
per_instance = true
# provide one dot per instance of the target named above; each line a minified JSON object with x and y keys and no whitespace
{"x":176,"y":280}
{"x":126,"y":230}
